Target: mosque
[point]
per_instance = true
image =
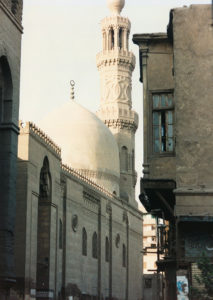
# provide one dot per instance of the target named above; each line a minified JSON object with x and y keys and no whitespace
{"x":78,"y":230}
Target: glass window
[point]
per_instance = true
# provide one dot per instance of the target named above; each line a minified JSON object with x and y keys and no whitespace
{"x":163,"y":122}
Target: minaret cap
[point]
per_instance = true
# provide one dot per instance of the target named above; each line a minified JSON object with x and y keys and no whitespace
{"x":115,"y":6}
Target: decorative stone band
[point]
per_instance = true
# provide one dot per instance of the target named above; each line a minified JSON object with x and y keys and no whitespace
{"x":15,"y":7}
{"x":78,"y":174}
{"x":30,"y":128}
{"x":115,"y":57}
{"x":122,"y":124}
{"x":113,"y":21}
{"x":113,"y":113}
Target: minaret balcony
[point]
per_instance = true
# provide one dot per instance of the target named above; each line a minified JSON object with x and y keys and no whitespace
{"x":115,"y":56}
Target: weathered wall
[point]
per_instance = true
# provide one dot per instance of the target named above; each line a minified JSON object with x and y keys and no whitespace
{"x":193,"y":67}
{"x":159,"y":78}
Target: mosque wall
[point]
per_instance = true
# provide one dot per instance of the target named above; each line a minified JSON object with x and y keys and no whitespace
{"x":77,"y":205}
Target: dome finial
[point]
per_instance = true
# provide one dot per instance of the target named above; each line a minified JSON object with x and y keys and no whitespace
{"x":72,"y":94}
{"x":115,"y":6}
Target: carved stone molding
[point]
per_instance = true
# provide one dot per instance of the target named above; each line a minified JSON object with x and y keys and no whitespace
{"x":30,"y":128}
{"x":121,"y":124}
{"x":98,"y":174}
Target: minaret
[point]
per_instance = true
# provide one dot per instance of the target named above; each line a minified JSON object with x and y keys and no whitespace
{"x":116,"y":64}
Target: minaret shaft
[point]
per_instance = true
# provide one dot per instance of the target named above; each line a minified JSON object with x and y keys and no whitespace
{"x":116,"y":64}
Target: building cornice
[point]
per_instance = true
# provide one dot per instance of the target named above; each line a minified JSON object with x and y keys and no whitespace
{"x":116,"y":57}
{"x":33,"y":130}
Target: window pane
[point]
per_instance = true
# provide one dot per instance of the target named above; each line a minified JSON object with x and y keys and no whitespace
{"x":170,"y":130}
{"x":170,"y":99}
{"x":156,"y":132}
{"x":156,"y":118}
{"x":156,"y":101}
{"x":163,"y":100}
{"x":163,"y":122}
{"x":170,"y":117}
{"x":156,"y":145}
{"x":170,"y":144}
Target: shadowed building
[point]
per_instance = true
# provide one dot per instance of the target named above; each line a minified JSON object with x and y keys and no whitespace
{"x":10,"y":48}
{"x":176,"y":71}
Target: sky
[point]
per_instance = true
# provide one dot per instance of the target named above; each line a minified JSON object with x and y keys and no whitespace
{"x":60,"y":42}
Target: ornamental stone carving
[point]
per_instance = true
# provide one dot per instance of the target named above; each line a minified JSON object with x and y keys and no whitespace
{"x":116,"y":89}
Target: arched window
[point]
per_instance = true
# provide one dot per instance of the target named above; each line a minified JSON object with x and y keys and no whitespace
{"x":124,"y":159}
{"x":95,"y":245}
{"x":124,"y":256}
{"x":60,"y":234}
{"x":44,"y":226}
{"x":107,"y":249}
{"x":111,"y":39}
{"x":120,"y":38}
{"x":45,"y":181}
{"x":84,"y":242}
{"x":6,"y":91}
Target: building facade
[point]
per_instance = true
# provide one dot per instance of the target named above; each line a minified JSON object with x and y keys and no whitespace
{"x":176,"y":71}
{"x":73,"y":236}
{"x":78,"y":236}
{"x":10,"y":51}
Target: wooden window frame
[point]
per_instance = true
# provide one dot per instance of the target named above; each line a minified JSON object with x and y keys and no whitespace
{"x":151,"y":127}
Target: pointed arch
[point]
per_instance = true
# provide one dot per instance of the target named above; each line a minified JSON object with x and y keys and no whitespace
{"x":111,"y":38}
{"x":95,"y":245}
{"x":6,"y":91}
{"x":84,"y":242}
{"x":120,"y":38}
{"x":44,"y":223}
{"x":45,"y":189}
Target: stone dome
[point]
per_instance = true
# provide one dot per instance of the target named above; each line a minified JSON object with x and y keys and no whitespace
{"x":86,"y":143}
{"x":115,"y":6}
